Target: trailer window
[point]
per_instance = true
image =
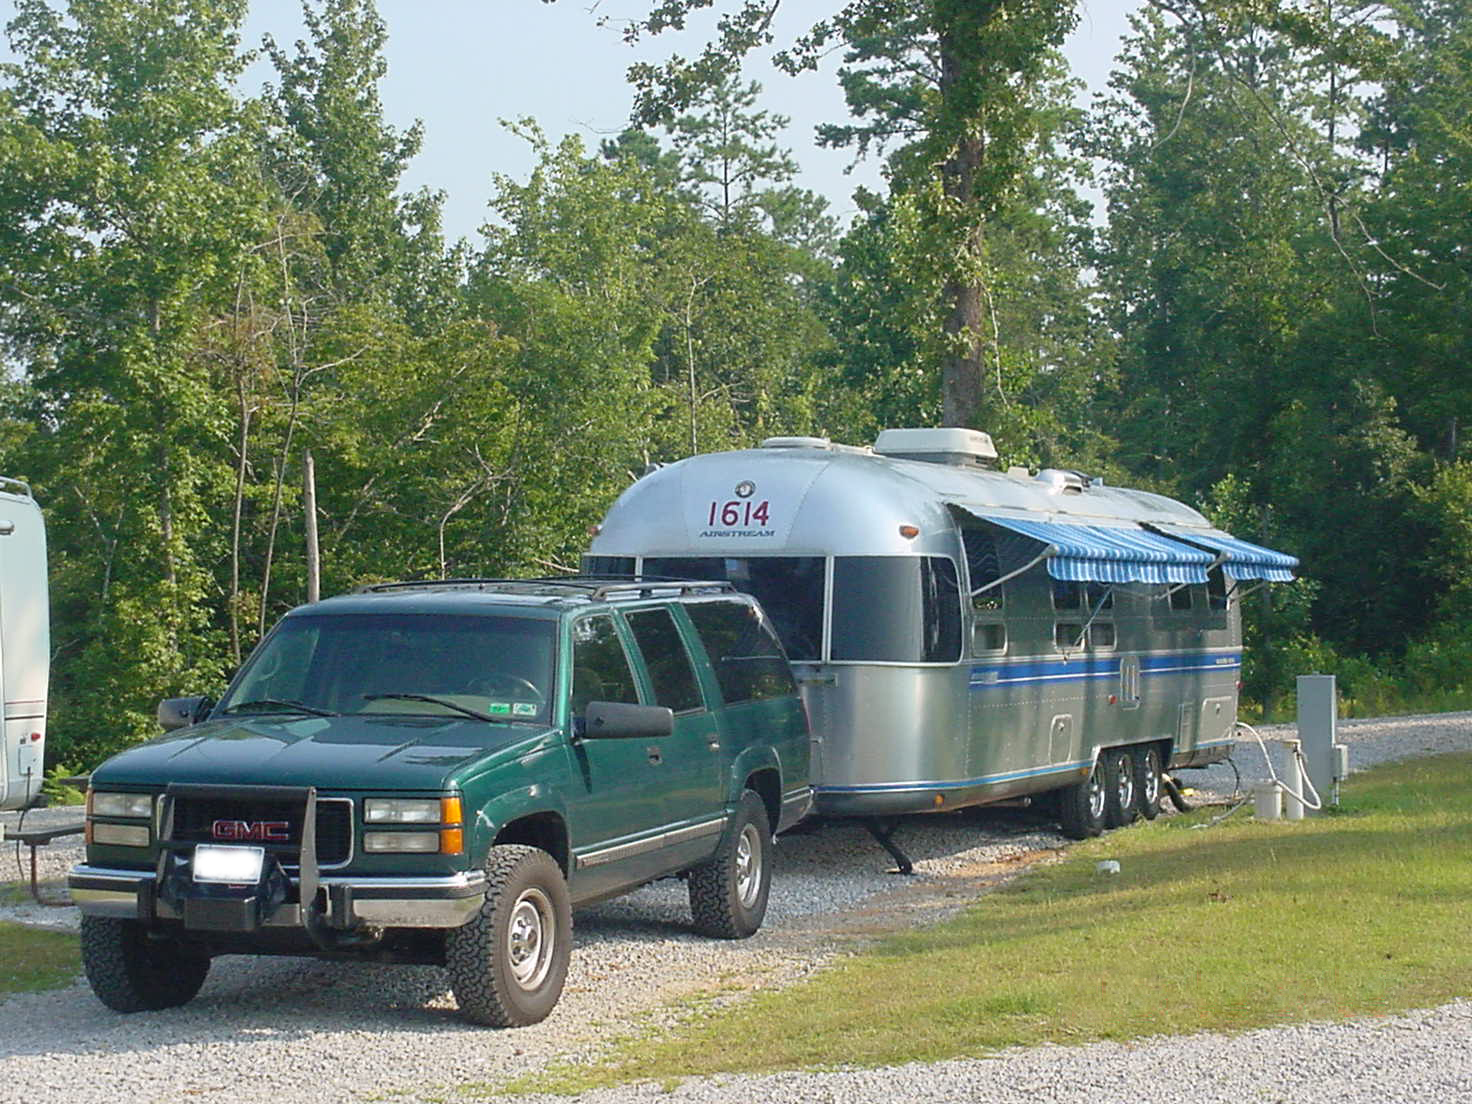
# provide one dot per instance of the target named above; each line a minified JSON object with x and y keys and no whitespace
{"x":1180,"y":598}
{"x":896,"y":609}
{"x":789,"y":588}
{"x":1216,"y":589}
{"x":1067,"y":595}
{"x":619,"y":566}
{"x":744,"y":652}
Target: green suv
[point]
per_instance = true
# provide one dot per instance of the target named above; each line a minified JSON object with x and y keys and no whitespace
{"x":438,"y":773}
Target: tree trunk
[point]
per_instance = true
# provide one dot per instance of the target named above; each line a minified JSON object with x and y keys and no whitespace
{"x":962,"y":361}
{"x":309,"y":508}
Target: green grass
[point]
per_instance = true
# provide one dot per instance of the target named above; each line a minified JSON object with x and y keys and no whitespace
{"x":32,"y":960}
{"x":1241,"y":925}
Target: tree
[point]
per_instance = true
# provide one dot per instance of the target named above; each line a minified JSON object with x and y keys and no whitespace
{"x":950,"y":83}
{"x":133,"y":196}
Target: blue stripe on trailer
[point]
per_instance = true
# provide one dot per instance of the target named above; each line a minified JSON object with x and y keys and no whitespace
{"x":992,"y":676}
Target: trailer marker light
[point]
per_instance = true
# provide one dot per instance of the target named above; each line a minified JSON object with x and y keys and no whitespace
{"x":1112,"y":699}
{"x":909,"y":532}
{"x":594,"y":530}
{"x":940,"y":799}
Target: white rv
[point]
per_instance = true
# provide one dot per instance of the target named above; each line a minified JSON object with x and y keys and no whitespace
{"x":25,"y":643}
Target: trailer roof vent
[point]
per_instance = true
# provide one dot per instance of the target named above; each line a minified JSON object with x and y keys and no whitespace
{"x":797,"y":442}
{"x":1063,"y":481}
{"x":947,"y":445}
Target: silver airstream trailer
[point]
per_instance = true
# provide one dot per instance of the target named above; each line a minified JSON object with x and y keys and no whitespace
{"x":964,"y":635}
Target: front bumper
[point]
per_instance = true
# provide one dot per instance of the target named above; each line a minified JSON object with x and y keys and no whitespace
{"x":383,"y":902}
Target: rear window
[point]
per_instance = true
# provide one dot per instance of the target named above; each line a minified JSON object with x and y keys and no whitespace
{"x":743,"y":650}
{"x":896,"y":609}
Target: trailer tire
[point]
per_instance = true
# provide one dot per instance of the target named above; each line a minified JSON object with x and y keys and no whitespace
{"x":1148,"y":780}
{"x":728,"y":892}
{"x":1122,"y":804}
{"x":131,"y":973}
{"x":1081,"y":806}
{"x":508,"y":964}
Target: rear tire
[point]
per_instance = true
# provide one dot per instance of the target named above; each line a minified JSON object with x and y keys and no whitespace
{"x":1119,"y":786}
{"x":507,"y":965}
{"x":728,"y":892}
{"x":1148,"y":780}
{"x":1081,"y":806}
{"x":130,"y":972}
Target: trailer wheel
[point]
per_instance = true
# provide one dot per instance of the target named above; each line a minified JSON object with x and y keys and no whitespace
{"x":1081,"y":806}
{"x":1148,"y":780}
{"x":1119,"y":786}
{"x":507,"y":965}
{"x":728,"y":892}
{"x":131,"y":973}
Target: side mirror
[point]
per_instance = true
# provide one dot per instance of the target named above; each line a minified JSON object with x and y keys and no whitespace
{"x":621,"y":720}
{"x":182,"y":712}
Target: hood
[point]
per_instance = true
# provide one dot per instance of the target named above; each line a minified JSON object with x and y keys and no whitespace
{"x":385,"y":753}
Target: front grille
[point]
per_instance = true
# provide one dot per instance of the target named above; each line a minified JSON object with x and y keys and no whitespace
{"x":194,"y":820}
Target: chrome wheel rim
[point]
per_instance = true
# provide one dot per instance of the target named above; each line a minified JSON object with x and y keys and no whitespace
{"x":1097,"y":793}
{"x":1125,"y":791}
{"x":1152,"y":777}
{"x":531,"y":934}
{"x":748,"y":866}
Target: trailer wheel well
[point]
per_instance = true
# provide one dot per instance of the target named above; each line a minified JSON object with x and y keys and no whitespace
{"x":544,"y":830}
{"x":767,"y":784}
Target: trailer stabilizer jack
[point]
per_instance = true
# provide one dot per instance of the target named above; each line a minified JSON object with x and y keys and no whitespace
{"x":883,"y":832}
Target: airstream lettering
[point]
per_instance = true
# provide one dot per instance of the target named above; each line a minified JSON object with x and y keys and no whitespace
{"x":964,"y":635}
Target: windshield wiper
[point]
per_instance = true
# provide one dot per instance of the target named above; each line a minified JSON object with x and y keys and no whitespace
{"x":446,"y":702}
{"x":279,"y":705}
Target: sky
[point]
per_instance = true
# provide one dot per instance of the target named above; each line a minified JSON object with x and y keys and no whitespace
{"x":461,"y":66}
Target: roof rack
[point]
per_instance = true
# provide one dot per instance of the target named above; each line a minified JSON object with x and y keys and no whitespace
{"x":593,"y":587}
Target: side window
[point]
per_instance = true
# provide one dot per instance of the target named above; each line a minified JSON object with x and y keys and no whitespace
{"x":989,"y":608}
{"x":744,"y":651}
{"x":667,"y":661}
{"x":1067,"y":595}
{"x":1180,"y":598}
{"x":600,"y":669}
{"x":1216,"y":589}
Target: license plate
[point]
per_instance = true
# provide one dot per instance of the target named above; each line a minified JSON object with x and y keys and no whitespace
{"x":230,"y":865}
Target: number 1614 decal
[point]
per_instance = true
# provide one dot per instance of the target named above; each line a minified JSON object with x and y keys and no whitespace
{"x":737,"y":513}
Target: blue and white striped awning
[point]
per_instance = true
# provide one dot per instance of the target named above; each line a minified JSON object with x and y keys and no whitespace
{"x":1111,"y":554}
{"x":1240,"y":560}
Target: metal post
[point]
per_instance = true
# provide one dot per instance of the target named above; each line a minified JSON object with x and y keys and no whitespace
{"x":1317,"y":715}
{"x":1293,"y":779}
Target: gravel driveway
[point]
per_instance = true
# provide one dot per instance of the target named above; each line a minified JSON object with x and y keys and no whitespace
{"x":289,"y":1031}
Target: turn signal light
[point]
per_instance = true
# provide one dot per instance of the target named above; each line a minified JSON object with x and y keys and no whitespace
{"x":450,"y":811}
{"x":452,"y":841}
{"x":909,"y":532}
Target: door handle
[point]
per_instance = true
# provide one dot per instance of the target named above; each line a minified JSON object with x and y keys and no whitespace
{"x":656,"y":756}
{"x":714,"y":745}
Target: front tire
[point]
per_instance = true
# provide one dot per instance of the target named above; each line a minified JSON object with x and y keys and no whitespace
{"x":507,"y":965}
{"x":728,"y":892}
{"x":1081,"y":806}
{"x":130,"y":972}
{"x":1119,"y":786}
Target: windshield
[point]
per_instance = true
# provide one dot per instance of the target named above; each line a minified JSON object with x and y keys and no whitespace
{"x":499,"y":668}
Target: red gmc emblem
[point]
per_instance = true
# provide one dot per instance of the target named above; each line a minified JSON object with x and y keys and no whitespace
{"x":269,"y":831}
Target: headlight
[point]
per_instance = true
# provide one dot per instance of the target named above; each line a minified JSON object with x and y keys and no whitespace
{"x":401,"y":841}
{"x":138,"y":806}
{"x":411,"y":810}
{"x":121,"y":835}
